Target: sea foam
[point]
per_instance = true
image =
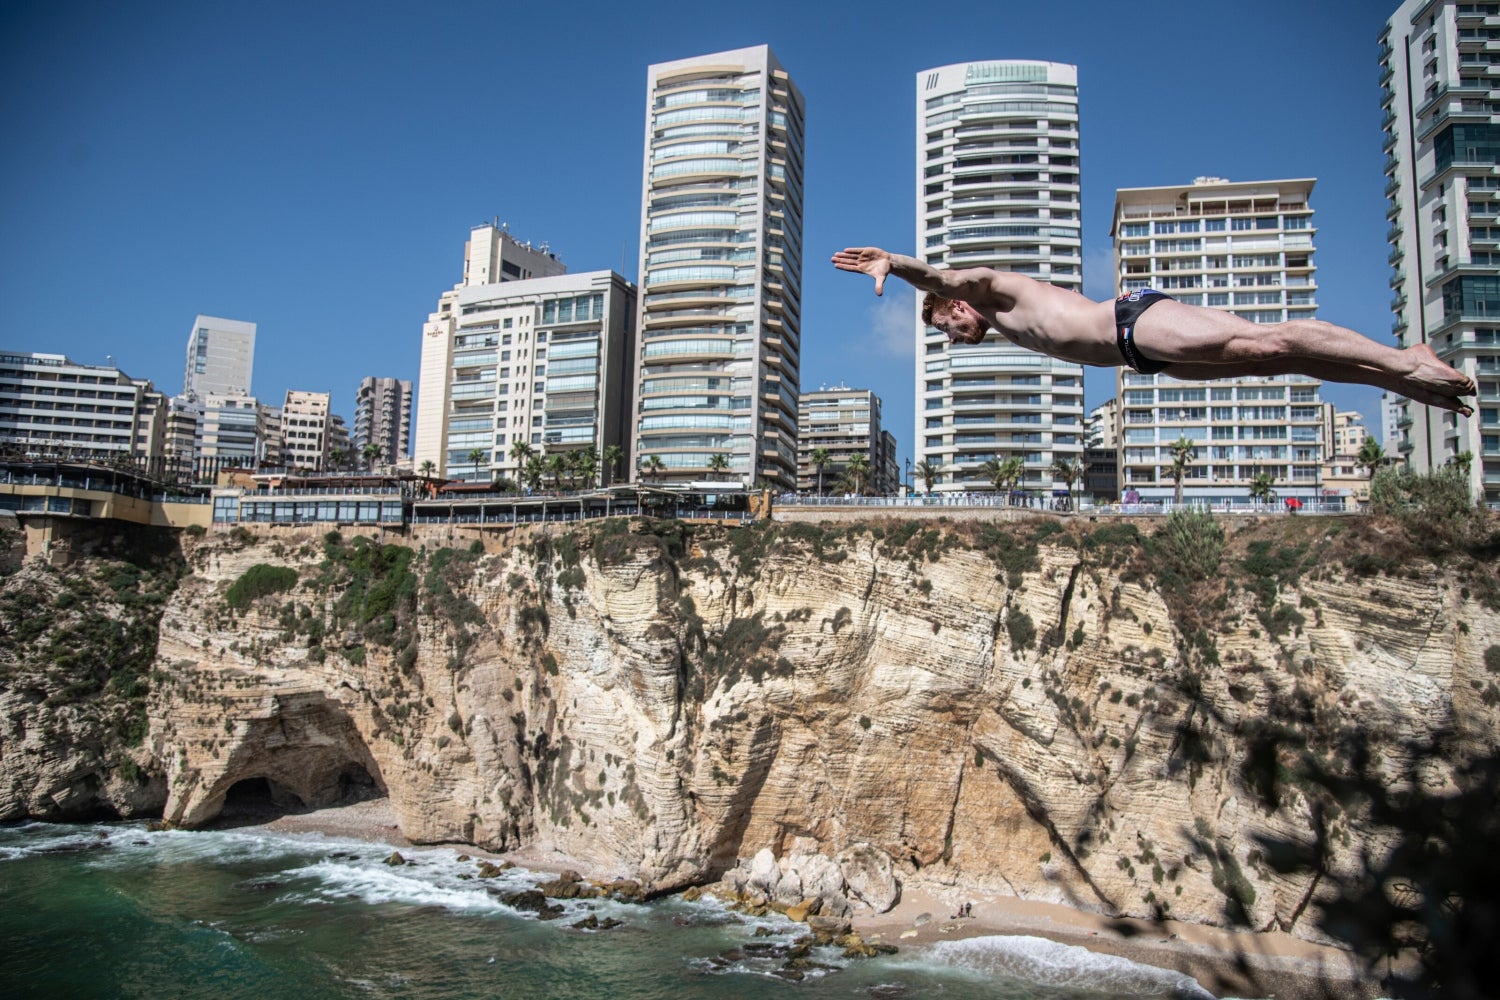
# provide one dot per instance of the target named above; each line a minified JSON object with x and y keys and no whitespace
{"x":1049,"y":963}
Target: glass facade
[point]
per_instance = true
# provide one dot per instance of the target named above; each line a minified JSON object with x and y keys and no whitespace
{"x":721,"y":268}
{"x":998,"y":186}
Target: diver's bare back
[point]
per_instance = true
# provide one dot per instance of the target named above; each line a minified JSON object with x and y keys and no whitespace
{"x":1052,"y":320}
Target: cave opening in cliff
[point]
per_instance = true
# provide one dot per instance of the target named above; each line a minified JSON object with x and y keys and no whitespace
{"x":355,"y":784}
{"x":255,"y":800}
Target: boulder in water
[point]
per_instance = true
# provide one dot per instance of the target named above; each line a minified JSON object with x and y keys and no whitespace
{"x":396,"y":860}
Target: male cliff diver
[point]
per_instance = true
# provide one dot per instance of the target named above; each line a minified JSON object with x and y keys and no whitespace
{"x":1152,"y":332}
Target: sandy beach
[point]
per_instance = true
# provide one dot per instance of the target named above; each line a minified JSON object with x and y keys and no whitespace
{"x":1227,"y":963}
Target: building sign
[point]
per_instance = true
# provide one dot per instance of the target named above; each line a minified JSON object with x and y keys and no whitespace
{"x":1004,"y":72}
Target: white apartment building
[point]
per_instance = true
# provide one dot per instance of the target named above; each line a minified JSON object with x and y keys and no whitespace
{"x":52,"y":406}
{"x":149,"y":438}
{"x":180,"y":439}
{"x":844,"y":422}
{"x":229,"y":432}
{"x":1247,"y":248}
{"x":220,"y":358}
{"x":382,"y":416}
{"x":1438,"y":65}
{"x":718,"y":367}
{"x":306,"y":430}
{"x":1343,"y":477}
{"x":536,"y":366}
{"x":997,"y":185}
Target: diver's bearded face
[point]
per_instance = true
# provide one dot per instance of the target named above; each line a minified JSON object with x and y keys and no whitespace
{"x":961,"y":322}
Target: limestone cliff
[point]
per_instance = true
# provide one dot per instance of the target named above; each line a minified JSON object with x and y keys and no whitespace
{"x":1068,"y":713}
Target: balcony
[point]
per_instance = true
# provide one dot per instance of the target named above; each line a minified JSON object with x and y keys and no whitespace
{"x":1392,"y":186}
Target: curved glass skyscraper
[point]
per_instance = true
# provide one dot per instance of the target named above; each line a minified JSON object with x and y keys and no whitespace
{"x":997,"y":186}
{"x":717,"y":370}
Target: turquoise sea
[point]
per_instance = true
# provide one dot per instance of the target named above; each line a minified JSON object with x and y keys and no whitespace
{"x":112,"y":910}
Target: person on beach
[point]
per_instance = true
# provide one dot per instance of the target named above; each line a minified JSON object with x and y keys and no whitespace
{"x":1152,"y":332}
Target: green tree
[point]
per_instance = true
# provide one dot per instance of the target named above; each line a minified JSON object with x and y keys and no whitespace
{"x":928,"y":473}
{"x":1068,"y":472}
{"x":1462,"y":461}
{"x":1371,"y":456}
{"x":371,"y":453}
{"x":533,"y":471}
{"x":613,"y":456}
{"x":521,"y":453}
{"x":857,"y":474}
{"x":1263,"y":488}
{"x":1013,"y":469}
{"x":587,"y":465}
{"x":718,"y":463}
{"x":994,"y":471}
{"x":819,"y":459}
{"x":652,"y":468}
{"x":1182,"y":454}
{"x":476,"y":456}
{"x":427,"y":468}
{"x":337,"y":458}
{"x":556,"y":467}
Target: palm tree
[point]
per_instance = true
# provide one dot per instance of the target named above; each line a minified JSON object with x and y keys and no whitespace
{"x":928,"y":473}
{"x":613,"y":456}
{"x":652,"y":467}
{"x":555,"y":465}
{"x":1371,"y":456}
{"x":371,"y":453}
{"x":819,"y":459}
{"x":1262,"y":488}
{"x":1014,"y":468}
{"x":1462,"y":461}
{"x":476,"y":455}
{"x":533,"y":471}
{"x":572,"y":466}
{"x":994,"y":471}
{"x":520,"y":453}
{"x":427,"y":469}
{"x":1069,"y":472}
{"x":588,"y":465}
{"x":1182,"y":453}
{"x":337,"y":457}
{"x":717,"y":463}
{"x":858,"y":473}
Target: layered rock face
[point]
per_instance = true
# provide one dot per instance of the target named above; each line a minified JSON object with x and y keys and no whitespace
{"x":1052,"y":713}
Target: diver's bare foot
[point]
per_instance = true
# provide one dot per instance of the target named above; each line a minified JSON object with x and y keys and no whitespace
{"x":1430,"y":398}
{"x":1432,"y":373}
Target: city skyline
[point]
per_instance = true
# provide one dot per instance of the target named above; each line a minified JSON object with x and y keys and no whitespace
{"x":324,"y":202}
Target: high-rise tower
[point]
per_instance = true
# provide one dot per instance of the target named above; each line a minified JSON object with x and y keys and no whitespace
{"x":997,"y":186}
{"x":1442,"y":145}
{"x":220,"y":357}
{"x":718,"y":366}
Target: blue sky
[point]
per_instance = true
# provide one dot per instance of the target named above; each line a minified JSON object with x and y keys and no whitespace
{"x":315,"y":167}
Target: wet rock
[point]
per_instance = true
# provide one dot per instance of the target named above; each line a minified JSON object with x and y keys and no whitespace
{"x":869,"y":876}
{"x":487,"y":870}
{"x":627,"y":890}
{"x":790,"y":975}
{"x":395,"y":860}
{"x":549,"y":912}
{"x":588,"y":923}
{"x":609,"y":922}
{"x":763,"y":931}
{"x":827,"y":928}
{"x":692,"y":894}
{"x":464,"y":857}
{"x":804,"y":909}
{"x":526,"y":900}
